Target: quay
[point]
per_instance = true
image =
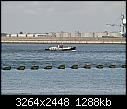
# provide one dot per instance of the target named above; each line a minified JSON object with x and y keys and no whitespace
{"x":65,"y":40}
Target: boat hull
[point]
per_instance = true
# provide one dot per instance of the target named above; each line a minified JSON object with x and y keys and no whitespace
{"x":61,"y":49}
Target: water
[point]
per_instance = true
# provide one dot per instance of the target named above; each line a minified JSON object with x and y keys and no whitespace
{"x":68,"y":81}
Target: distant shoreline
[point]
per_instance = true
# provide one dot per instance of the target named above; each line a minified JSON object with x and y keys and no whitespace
{"x":56,"y":43}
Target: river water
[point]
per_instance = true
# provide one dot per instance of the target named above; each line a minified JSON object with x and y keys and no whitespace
{"x":81,"y":81}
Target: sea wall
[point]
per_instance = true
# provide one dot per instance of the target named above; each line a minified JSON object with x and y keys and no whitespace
{"x":68,"y":40}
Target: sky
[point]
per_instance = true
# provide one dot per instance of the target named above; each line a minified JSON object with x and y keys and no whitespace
{"x":56,"y":16}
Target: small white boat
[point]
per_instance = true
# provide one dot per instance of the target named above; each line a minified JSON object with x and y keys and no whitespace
{"x":60,"y":48}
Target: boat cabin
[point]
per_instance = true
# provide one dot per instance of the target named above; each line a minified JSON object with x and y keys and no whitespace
{"x":60,"y":46}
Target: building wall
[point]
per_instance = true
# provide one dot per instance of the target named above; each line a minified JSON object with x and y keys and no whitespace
{"x":58,"y":34}
{"x":68,"y":34}
{"x":14,"y":35}
{"x":8,"y":35}
{"x":22,"y":35}
{"x":73,"y":35}
{"x":100,"y":34}
{"x":65,"y":34}
{"x":40,"y":35}
{"x":114,"y":34}
{"x":86,"y":34}
{"x":52,"y":34}
{"x":30,"y":35}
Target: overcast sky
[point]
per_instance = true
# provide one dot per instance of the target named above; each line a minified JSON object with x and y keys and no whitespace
{"x":56,"y":16}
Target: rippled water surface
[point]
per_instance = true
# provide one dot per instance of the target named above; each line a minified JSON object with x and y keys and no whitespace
{"x":94,"y":81}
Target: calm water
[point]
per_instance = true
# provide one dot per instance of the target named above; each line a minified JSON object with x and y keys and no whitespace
{"x":68,"y":81}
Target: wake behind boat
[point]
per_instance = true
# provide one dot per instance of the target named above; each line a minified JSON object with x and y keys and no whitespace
{"x":60,"y":48}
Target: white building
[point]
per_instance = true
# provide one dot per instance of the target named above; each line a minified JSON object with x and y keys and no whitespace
{"x":100,"y":34}
{"x":14,"y":35}
{"x":22,"y":35}
{"x":115,"y":34}
{"x":87,"y":34}
{"x":40,"y":35}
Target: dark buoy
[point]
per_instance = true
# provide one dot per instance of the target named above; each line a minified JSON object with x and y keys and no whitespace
{"x":87,"y":66}
{"x":34,"y":67}
{"x":48,"y":67}
{"x":100,"y":66}
{"x":61,"y":67}
{"x":22,"y":67}
{"x":112,"y":66}
{"x":123,"y":66}
{"x":75,"y":66}
{"x":6,"y":68}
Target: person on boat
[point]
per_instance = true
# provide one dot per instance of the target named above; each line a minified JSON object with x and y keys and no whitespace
{"x":60,"y":46}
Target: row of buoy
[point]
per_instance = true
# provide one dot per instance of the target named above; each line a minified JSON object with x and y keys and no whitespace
{"x":75,"y":66}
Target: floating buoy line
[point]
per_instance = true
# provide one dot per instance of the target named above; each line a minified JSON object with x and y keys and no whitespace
{"x":63,"y":66}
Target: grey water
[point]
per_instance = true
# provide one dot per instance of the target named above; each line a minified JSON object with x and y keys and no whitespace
{"x":94,"y":81}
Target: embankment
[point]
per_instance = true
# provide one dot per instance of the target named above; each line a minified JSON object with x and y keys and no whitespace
{"x":67,"y":40}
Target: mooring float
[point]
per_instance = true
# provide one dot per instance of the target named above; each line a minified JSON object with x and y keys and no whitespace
{"x":75,"y":66}
{"x":87,"y":66}
{"x":22,"y":67}
{"x":6,"y":68}
{"x":48,"y":67}
{"x":61,"y":67}
{"x":123,"y":66}
{"x":100,"y":66}
{"x":34,"y":67}
{"x":112,"y":66}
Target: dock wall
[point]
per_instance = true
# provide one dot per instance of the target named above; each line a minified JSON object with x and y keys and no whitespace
{"x":67,"y":40}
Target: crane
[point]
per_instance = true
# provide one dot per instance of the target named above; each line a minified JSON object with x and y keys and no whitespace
{"x":122,"y":25}
{"x":113,"y":25}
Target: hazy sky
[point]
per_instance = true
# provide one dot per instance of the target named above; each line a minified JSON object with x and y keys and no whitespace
{"x":56,"y":16}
